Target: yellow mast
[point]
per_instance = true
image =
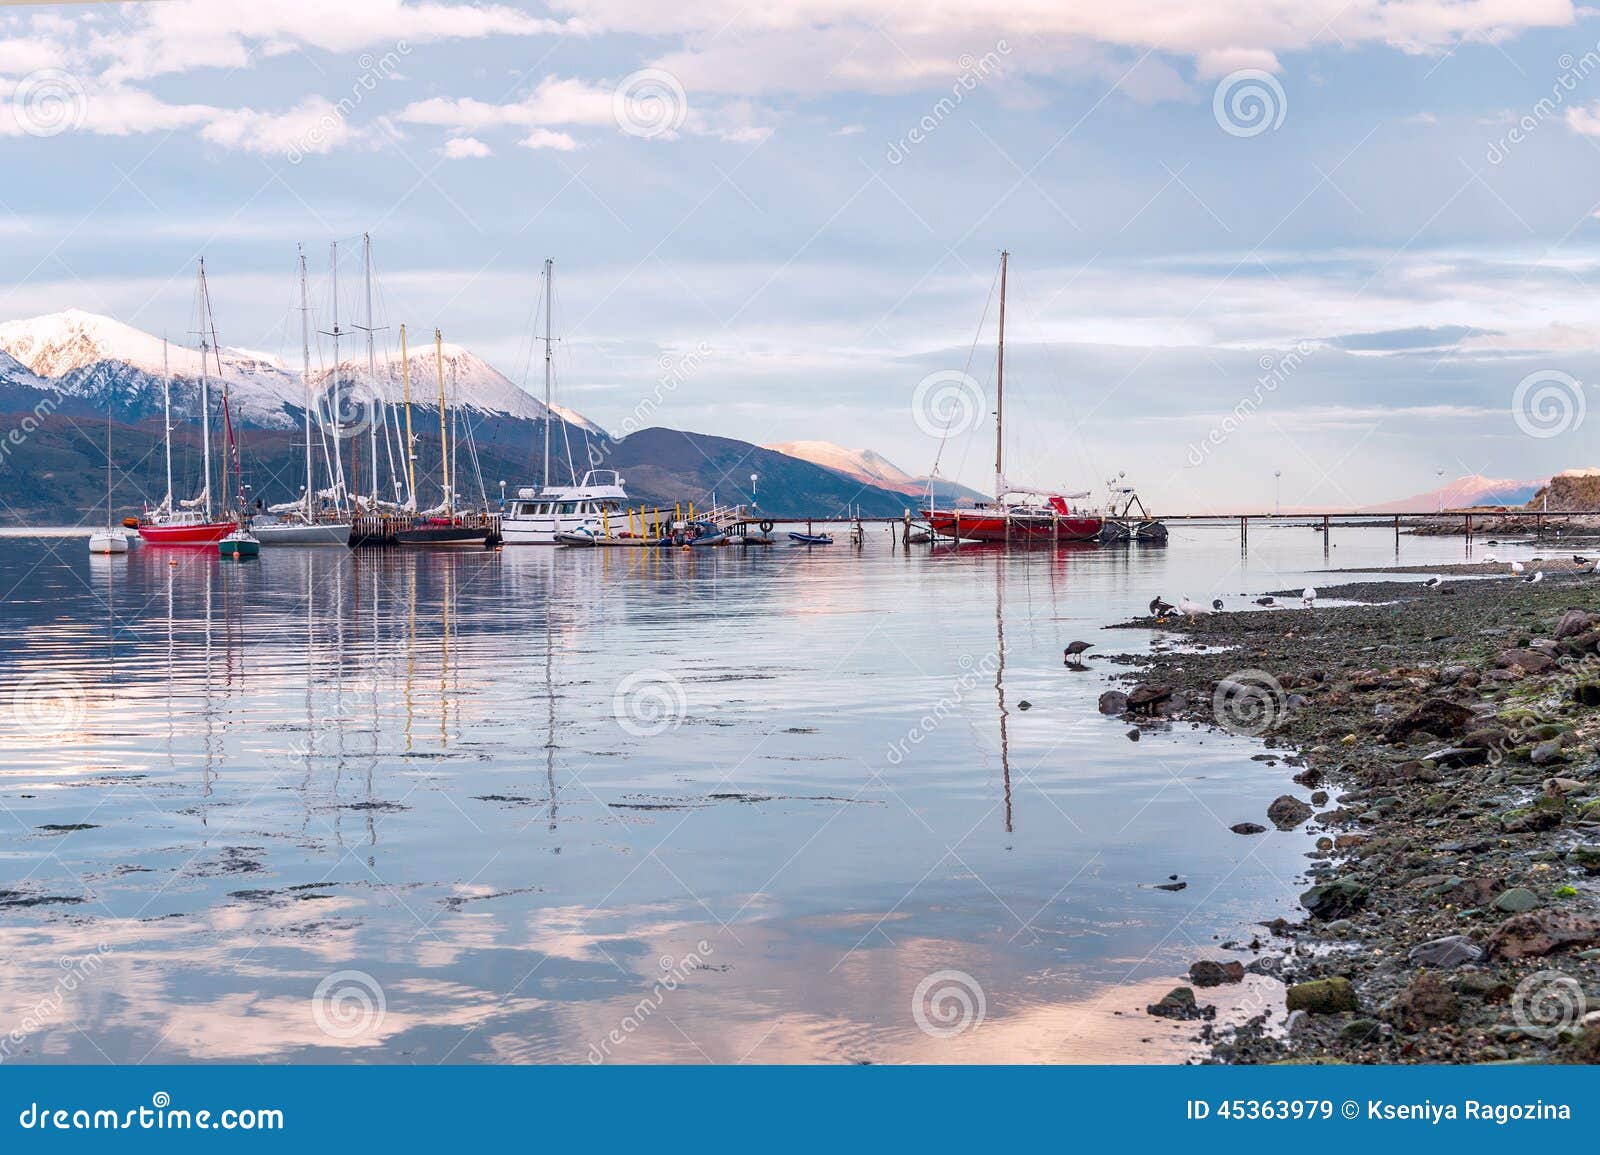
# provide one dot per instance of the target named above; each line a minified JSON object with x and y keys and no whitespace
{"x":444,"y":444}
{"x":411,"y":453}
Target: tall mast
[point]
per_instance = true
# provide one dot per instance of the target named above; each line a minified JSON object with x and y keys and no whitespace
{"x":411,"y":457}
{"x":372,"y":365}
{"x":444,"y":437}
{"x":166,"y":415}
{"x":338,"y":451}
{"x":205,"y":398}
{"x":108,"y":460}
{"x":305,"y":371}
{"x":548,"y":273}
{"x":1000,"y":388}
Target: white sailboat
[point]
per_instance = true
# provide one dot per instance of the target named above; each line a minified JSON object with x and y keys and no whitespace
{"x":535,"y":515}
{"x":113,"y":538}
{"x":304,"y":522}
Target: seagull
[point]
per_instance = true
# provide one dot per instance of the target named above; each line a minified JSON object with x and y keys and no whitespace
{"x":1536,"y":576}
{"x":1074,"y":652}
{"x":1516,"y":567}
{"x":1580,"y":559}
{"x":1490,"y":559}
{"x":1191,"y":608}
{"x":1308,"y":597}
{"x":1434,"y":581}
{"x":1265,"y":602}
{"x":1160,"y":608}
{"x":1216,"y":604}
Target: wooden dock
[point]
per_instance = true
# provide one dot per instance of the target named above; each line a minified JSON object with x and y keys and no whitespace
{"x":377,"y":530}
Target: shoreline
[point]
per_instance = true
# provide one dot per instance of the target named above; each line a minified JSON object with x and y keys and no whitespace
{"x":1441,"y":745}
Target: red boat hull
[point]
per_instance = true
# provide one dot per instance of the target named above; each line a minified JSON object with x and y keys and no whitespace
{"x":983,"y":525}
{"x":201,"y":534}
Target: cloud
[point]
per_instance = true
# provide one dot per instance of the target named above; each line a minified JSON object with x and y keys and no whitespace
{"x":462,"y":147}
{"x":849,"y":130}
{"x":545,"y":138}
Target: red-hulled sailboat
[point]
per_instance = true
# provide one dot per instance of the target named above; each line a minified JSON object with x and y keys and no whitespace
{"x":188,"y":523}
{"x":1017,"y":515}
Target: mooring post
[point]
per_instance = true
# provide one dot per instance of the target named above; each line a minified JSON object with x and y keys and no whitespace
{"x":1538,"y":525}
{"x":1055,"y":525}
{"x":905,"y":538}
{"x":1244,"y":531}
{"x":1469,"y":525}
{"x":957,"y":530}
{"x":1397,"y":531}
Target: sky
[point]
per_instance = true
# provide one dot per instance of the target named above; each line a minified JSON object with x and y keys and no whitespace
{"x":1349,"y":242}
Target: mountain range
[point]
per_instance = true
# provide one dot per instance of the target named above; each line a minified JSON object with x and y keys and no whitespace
{"x":61,"y":373}
{"x":872,"y":468}
{"x":1462,"y":492}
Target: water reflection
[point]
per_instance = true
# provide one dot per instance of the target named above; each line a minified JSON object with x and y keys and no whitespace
{"x":252,"y":777}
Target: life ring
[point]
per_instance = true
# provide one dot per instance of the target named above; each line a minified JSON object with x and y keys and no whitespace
{"x":766,"y":527}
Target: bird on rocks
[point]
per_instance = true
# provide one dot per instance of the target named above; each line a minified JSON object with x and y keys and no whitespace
{"x":1074,"y":653}
{"x":1185,"y":606}
{"x":1265,"y":602}
{"x":1516,"y":567}
{"x":1579,"y":559}
{"x":1308,"y":597}
{"x":1160,"y":608}
{"x":1434,"y":582}
{"x":1216,"y":604}
{"x":1535,"y":577}
{"x":1490,"y":559}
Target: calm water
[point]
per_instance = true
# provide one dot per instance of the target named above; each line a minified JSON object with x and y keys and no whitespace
{"x":557,"y":806}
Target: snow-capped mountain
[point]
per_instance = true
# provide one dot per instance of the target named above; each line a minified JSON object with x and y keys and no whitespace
{"x":98,"y":358}
{"x":1463,"y":492}
{"x":870,"y":468}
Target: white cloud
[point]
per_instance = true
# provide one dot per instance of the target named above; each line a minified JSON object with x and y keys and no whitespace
{"x":545,"y":138}
{"x":463,"y":147}
{"x":849,"y":130}
{"x":313,"y":126}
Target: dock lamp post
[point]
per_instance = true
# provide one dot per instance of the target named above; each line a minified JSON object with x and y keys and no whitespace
{"x":502,"y":497}
{"x":753,"y":479}
{"x":1439,"y":473}
{"x":1277,"y":493}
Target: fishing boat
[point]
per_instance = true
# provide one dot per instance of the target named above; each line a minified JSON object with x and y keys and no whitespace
{"x":111,"y":539}
{"x":189,"y":523}
{"x":442,"y":527}
{"x":1017,"y":514}
{"x":306,"y":521}
{"x":239,"y":544}
{"x":811,"y":538}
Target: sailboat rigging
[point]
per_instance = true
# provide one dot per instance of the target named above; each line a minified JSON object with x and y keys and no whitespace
{"x":189,"y":522}
{"x":443,"y":526}
{"x":1019,"y":515}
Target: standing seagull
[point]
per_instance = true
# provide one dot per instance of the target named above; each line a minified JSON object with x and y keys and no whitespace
{"x":1074,"y":653}
{"x":1191,"y":608}
{"x":1490,"y":559}
{"x":1160,"y":608}
{"x":1308,"y":597}
{"x":1516,"y":567}
{"x":1535,"y":577}
{"x":1433,"y":582}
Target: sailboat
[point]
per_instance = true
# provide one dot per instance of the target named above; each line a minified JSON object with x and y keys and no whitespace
{"x":111,"y":539}
{"x":442,"y":526}
{"x":561,"y":514}
{"x":1016,"y":515}
{"x":189,"y":523}
{"x":304,"y":522}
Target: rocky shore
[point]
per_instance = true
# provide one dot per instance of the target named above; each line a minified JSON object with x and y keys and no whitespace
{"x":1442,"y":745}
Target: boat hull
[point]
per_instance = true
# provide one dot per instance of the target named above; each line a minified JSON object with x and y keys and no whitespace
{"x":238,"y":548}
{"x":289,"y":533}
{"x":197,"y":535}
{"x":443,"y":537}
{"x":108,"y":541}
{"x":981,"y":525}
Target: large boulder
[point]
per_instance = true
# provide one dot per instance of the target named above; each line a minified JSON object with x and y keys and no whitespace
{"x":1538,"y":933}
{"x":1322,"y":996}
{"x":1334,"y":899}
{"x":1528,"y":661}
{"x":1575,"y":622}
{"x":1451,"y":951}
{"x":1437,"y":716}
{"x":1286,"y":812}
